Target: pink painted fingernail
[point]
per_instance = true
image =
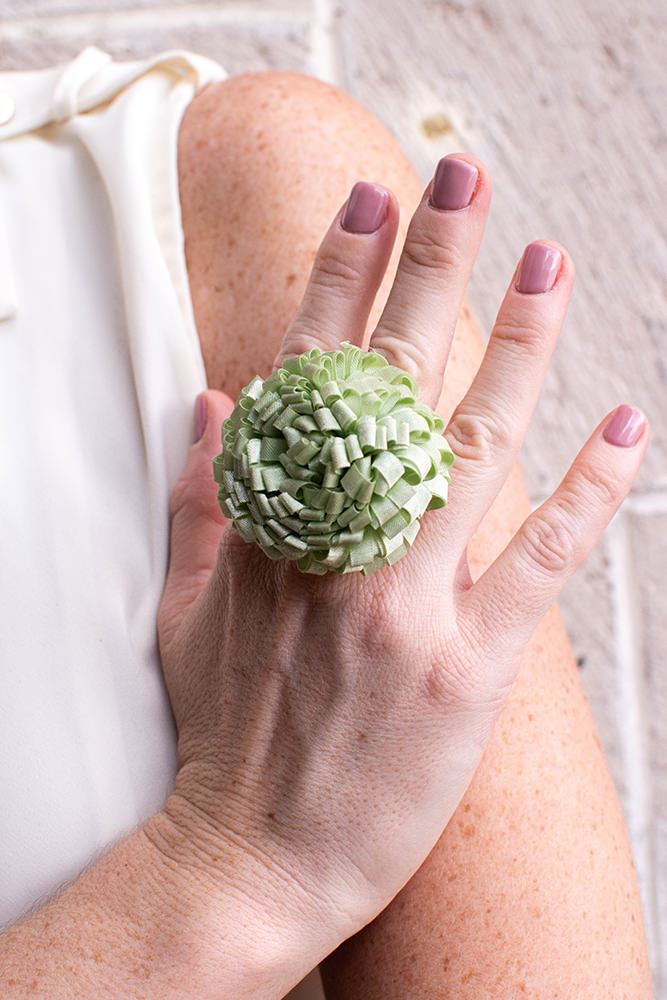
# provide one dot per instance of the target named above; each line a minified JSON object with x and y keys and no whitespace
{"x":625,"y":427}
{"x":201,"y":409}
{"x":453,"y":184}
{"x":539,"y":269}
{"x":366,"y":208}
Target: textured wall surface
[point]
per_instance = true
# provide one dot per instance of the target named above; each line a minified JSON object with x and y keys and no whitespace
{"x":566,"y":105}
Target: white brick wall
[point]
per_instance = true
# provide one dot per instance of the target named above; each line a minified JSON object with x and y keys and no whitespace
{"x":565,"y":103}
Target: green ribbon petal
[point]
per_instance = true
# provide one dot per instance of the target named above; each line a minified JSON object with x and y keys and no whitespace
{"x":331,"y":462}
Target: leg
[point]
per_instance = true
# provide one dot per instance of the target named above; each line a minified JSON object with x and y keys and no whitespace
{"x":531,"y":888}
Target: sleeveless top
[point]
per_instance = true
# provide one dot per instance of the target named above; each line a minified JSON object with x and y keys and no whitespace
{"x":99,"y":368}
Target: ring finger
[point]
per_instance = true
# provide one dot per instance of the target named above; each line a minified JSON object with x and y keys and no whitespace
{"x":488,"y":426}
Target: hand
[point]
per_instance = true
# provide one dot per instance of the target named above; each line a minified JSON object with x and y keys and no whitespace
{"x":329,"y":726}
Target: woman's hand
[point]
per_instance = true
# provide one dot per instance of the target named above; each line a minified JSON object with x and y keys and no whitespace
{"x":329,"y":726}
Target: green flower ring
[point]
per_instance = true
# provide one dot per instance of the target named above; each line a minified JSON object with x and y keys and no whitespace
{"x":331,"y":462}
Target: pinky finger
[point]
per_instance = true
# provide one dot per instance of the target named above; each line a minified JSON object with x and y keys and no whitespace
{"x":505,"y":605}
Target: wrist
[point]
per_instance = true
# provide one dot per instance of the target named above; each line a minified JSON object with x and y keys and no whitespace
{"x":141,"y":922}
{"x":236,"y":919}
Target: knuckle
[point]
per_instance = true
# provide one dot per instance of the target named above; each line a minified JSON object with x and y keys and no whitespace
{"x":195,"y":495}
{"x":477,"y":438}
{"x":411,"y":355}
{"x":527,"y":334}
{"x":459,"y":680}
{"x":333,"y":272}
{"x":547,"y":542}
{"x":380,"y":626}
{"x":597,"y":485}
{"x":305,"y":333}
{"x":179,"y":496}
{"x":452,"y":679}
{"x":424,"y":251}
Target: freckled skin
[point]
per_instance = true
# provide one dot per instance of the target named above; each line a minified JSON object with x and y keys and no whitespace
{"x":531,"y":889}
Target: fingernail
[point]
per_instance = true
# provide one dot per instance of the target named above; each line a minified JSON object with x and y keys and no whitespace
{"x":453,"y":184}
{"x":366,"y":208}
{"x":539,"y":269}
{"x":626,"y":427}
{"x":201,"y":409}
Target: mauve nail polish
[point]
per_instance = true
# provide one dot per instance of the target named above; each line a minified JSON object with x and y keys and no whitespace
{"x":366,"y":208}
{"x":453,"y":184}
{"x":626,"y":427}
{"x":539,"y":269}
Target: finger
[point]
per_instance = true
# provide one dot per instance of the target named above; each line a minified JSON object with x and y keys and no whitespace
{"x":417,"y":324}
{"x":489,"y":424}
{"x":505,"y":605}
{"x":347,"y":273}
{"x":196,"y":519}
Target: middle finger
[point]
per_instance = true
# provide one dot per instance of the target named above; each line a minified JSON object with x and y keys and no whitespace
{"x":416,"y":327}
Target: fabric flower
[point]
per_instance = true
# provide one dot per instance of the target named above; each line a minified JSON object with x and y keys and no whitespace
{"x":331,"y":461}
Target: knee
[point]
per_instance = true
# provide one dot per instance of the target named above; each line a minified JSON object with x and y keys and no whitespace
{"x":281,"y":121}
{"x":264,"y":108}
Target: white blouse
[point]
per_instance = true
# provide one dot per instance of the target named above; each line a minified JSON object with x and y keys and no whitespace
{"x":99,"y":368}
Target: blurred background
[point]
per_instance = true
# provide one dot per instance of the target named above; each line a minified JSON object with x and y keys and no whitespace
{"x":566,"y":104}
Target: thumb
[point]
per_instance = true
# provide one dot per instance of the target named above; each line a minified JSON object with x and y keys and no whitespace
{"x":196,"y":518}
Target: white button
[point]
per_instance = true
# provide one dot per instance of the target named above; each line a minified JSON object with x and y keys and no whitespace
{"x":7,"y":109}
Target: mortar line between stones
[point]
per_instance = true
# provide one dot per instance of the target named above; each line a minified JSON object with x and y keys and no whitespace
{"x":631,"y":716}
{"x":182,"y":15}
{"x":323,"y":52}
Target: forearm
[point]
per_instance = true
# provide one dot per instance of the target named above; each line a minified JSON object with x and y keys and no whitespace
{"x":139,"y":924}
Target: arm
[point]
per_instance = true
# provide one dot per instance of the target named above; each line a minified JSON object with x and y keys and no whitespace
{"x":329,"y":726}
{"x":459,"y":926}
{"x":144,"y":922}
